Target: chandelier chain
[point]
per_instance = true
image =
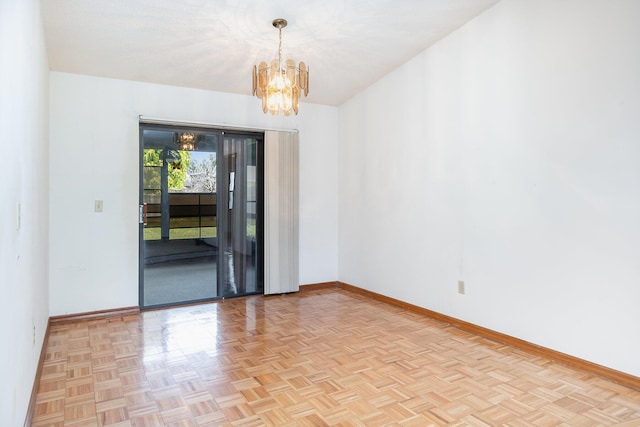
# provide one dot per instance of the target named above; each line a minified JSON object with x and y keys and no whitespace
{"x":280,"y":49}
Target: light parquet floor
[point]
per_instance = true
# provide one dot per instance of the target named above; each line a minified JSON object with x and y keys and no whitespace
{"x":315,"y":358}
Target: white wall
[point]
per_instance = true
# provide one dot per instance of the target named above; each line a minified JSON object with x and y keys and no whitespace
{"x":94,"y":155}
{"x":24,"y":301}
{"x":507,"y":156}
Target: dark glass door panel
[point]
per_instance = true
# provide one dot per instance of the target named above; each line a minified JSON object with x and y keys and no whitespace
{"x":240,"y":229}
{"x":201,"y":235}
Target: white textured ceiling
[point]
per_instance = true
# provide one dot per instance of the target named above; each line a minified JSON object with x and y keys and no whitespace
{"x":213,"y":44}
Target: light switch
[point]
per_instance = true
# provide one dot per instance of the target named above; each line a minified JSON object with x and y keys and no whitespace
{"x":97,"y":206}
{"x":18,"y":215}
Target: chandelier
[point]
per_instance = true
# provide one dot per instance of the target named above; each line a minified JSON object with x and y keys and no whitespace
{"x":280,"y":85}
{"x":187,"y":141}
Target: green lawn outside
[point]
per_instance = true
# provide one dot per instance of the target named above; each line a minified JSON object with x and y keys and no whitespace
{"x":153,"y":233}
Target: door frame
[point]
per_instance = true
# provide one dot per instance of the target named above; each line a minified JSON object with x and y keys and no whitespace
{"x":259,"y":247}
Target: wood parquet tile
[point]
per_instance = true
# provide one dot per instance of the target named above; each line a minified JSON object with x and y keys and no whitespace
{"x":325,"y":357}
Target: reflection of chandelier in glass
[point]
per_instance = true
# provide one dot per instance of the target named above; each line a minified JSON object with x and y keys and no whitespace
{"x":280,"y":87}
{"x":187,"y":141}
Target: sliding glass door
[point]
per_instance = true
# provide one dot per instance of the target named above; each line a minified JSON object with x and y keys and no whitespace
{"x":201,"y":214}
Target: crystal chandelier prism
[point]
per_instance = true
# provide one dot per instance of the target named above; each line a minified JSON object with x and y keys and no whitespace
{"x":279,"y":85}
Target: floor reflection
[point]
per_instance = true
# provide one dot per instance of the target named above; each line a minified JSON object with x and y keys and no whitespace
{"x":318,"y":357}
{"x":172,"y":335}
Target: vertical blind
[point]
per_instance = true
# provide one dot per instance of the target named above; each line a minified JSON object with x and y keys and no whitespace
{"x":281,"y":273}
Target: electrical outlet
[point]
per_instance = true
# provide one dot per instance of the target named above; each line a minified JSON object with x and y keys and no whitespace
{"x":460,"y":287}
{"x":34,"y":334}
{"x":97,"y":206}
